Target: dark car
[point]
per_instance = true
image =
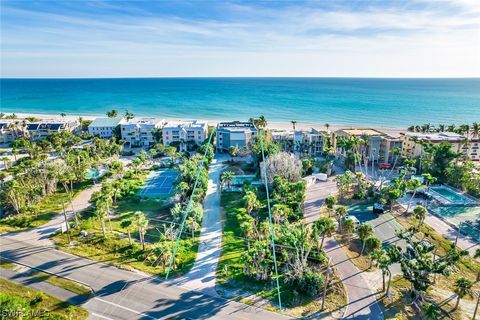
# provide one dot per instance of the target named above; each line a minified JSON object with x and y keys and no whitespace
{"x":378,"y":208}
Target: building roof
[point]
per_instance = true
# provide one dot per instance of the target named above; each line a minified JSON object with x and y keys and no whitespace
{"x":436,"y":136}
{"x":185,"y":124}
{"x":140,"y":121}
{"x":362,"y":132}
{"x":105,"y":122}
{"x":239,"y":126}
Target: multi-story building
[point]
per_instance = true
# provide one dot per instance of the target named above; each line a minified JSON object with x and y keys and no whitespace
{"x":140,"y":131}
{"x":104,"y":127}
{"x":301,"y":141}
{"x":413,"y":143}
{"x":235,"y":133}
{"x":379,"y":147}
{"x":42,"y":129}
{"x":184,"y":134}
{"x":7,"y":135}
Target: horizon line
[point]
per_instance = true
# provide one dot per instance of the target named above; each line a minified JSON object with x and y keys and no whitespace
{"x":233,"y":77}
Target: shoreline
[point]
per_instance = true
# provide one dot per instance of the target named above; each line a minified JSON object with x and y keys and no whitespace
{"x":279,"y":125}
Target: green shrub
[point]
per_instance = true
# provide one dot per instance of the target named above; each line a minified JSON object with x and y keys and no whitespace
{"x":311,"y":283}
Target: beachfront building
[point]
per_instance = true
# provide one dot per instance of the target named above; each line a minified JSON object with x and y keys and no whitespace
{"x":301,"y":141}
{"x":42,"y":129}
{"x":184,"y":134}
{"x":10,"y":130}
{"x":139,"y":132}
{"x":235,"y":133}
{"x":104,"y":127}
{"x":378,"y":148}
{"x":413,"y":143}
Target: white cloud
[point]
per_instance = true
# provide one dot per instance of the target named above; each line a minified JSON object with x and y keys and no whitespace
{"x":294,"y":41}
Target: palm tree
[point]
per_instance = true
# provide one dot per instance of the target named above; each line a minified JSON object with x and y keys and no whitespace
{"x":420,"y":212}
{"x":142,"y":224}
{"x":327,"y":126}
{"x":396,"y":151}
{"x":112,"y":114}
{"x":63,"y":114}
{"x":324,"y":227}
{"x":431,"y":311}
{"x":412,"y":185}
{"x":129,"y":115}
{"x":127,"y":224}
{"x":6,"y":161}
{"x":364,"y":231}
{"x":294,"y":122}
{"x":475,"y":129}
{"x":340,"y":211}
{"x":463,"y":286}
{"x":227,"y":177}
{"x":262,"y":121}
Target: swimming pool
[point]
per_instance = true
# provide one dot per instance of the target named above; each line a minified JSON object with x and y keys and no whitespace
{"x":449,"y":196}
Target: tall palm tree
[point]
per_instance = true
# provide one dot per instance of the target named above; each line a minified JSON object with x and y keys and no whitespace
{"x":364,"y":231}
{"x":463,"y":286}
{"x":226,"y":178}
{"x":420,"y":212}
{"x":324,"y":227}
{"x":294,"y":123}
{"x":142,"y":224}
{"x":412,"y":185}
{"x":327,"y":126}
{"x":112,"y":114}
{"x":475,"y":129}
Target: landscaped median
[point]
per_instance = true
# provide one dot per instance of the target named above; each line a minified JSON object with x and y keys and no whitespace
{"x":299,"y":299}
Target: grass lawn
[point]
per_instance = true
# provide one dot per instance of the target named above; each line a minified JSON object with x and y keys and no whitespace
{"x":115,"y":248}
{"x":39,"y":301}
{"x":50,"y":206}
{"x":233,"y":282}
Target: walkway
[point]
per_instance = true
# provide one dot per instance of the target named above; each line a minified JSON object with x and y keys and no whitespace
{"x":202,"y":275}
{"x":362,"y":303}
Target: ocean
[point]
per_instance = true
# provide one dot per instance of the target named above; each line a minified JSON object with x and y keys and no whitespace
{"x":362,"y":101}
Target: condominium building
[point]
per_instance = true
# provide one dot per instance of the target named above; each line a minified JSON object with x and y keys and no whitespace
{"x":413,"y":143}
{"x":235,"y":133}
{"x":104,"y":127}
{"x":140,"y":131}
{"x":379,"y":147}
{"x":42,"y":129}
{"x":184,"y":134}
{"x":301,"y":141}
{"x":7,"y":135}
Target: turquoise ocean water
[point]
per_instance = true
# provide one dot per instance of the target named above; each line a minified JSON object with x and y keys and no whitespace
{"x":384,"y":102}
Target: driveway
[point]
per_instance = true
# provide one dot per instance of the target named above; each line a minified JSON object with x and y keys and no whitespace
{"x":202,"y":275}
{"x":384,"y":227}
{"x":362,"y":303}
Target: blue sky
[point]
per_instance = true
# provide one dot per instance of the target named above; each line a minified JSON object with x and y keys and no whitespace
{"x":417,"y":38}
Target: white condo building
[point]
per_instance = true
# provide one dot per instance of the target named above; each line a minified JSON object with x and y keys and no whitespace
{"x":140,"y":131}
{"x":184,"y":133}
{"x":103,"y":127}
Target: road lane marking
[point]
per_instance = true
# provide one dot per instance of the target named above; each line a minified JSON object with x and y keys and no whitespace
{"x":100,"y":316}
{"x":122,"y":307}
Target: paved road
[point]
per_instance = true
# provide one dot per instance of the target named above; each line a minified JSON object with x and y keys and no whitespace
{"x":315,"y":197}
{"x":362,"y":303}
{"x":202,"y":275}
{"x":142,"y":297}
{"x":384,"y":227}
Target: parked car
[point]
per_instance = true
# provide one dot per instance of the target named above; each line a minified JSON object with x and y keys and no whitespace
{"x":353,"y":218}
{"x":385,"y":166}
{"x":378,"y":208}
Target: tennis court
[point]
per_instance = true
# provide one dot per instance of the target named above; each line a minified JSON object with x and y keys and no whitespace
{"x":159,"y":183}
